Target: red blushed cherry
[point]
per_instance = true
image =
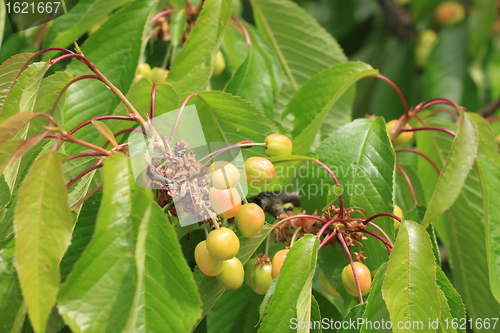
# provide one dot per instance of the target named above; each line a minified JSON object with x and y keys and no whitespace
{"x":224,"y":175}
{"x":278,"y":260}
{"x":364,"y":277}
{"x":250,"y":220}
{"x":226,"y":203}
{"x":278,"y":144}
{"x":259,"y":170}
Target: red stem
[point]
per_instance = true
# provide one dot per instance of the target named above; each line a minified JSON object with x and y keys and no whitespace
{"x":153,"y":101}
{"x":243,"y":28}
{"x":396,"y":88}
{"x":160,"y":14}
{"x":451,"y":113}
{"x":382,"y":231}
{"x":438,"y":101}
{"x":492,"y":118}
{"x":432,"y":128}
{"x":85,"y":123}
{"x":409,"y":150}
{"x":388,"y":246}
{"x":76,"y":79}
{"x":72,"y":157}
{"x":83,"y":173}
{"x":179,"y":114}
{"x":408,"y":181}
{"x":380,"y":215}
{"x":86,"y":197}
{"x":346,"y":250}
{"x":332,"y":174}
{"x":326,"y":225}
{"x":327,"y":239}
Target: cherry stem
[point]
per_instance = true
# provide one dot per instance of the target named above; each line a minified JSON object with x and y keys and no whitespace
{"x":72,"y":157}
{"x":409,"y":150}
{"x":492,"y":118}
{"x":332,"y":174}
{"x":108,"y":83}
{"x":121,"y":132}
{"x":68,"y":137}
{"x":396,"y":88}
{"x":238,"y":145}
{"x":351,"y":262}
{"x":36,"y":55}
{"x":179,"y":114}
{"x":241,"y":190}
{"x":431,"y":128}
{"x":297,"y":216}
{"x":153,"y":101}
{"x":294,"y":236}
{"x":75,"y":206}
{"x":85,"y":123}
{"x":76,"y":79}
{"x":382,"y":231}
{"x":243,"y":29}
{"x":387,"y":244}
{"x":380,"y":215}
{"x":326,"y":225}
{"x":451,"y":113}
{"x":408,"y":181}
{"x":160,"y":14}
{"x":83,"y":173}
{"x":435,"y":101}
{"x":327,"y":239}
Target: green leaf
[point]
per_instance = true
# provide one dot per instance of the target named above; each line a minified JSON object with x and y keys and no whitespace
{"x":73,"y":24}
{"x":453,"y":298}
{"x":487,"y":138}
{"x":411,"y":278}
{"x":456,"y":168}
{"x":313,"y":102}
{"x":303,"y":46}
{"x":354,"y":315}
{"x":105,"y":131}
{"x":2,"y":22}
{"x":227,"y":118}
{"x":177,"y":26}
{"x":445,"y":70}
{"x":361,"y":156}
{"x":489,"y":173}
{"x":110,"y":49}
{"x":251,"y":81}
{"x":12,"y":306}
{"x":481,"y":19}
{"x":82,"y":234}
{"x":8,"y":72}
{"x":9,"y":156}
{"x":49,"y":91}
{"x":292,"y":296}
{"x":209,"y":288}
{"x":376,"y":309}
{"x":10,"y":126}
{"x":23,"y":94}
{"x":99,"y":292}
{"x":443,"y":323}
{"x":42,"y":227}
{"x":192,"y":68}
{"x":169,"y":300}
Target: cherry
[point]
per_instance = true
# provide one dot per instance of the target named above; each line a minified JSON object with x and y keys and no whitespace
{"x":219,"y":65}
{"x":224,"y":175}
{"x":449,"y":13}
{"x":223,"y":243}
{"x":399,"y":213}
{"x":250,"y":220}
{"x":232,"y":275}
{"x":225,"y":203}
{"x":278,"y":260}
{"x":249,"y":271}
{"x":278,"y":144}
{"x":401,"y":138}
{"x":207,"y":263}
{"x":262,"y":278}
{"x":363,"y":275}
{"x":327,"y":286}
{"x":259,"y":170}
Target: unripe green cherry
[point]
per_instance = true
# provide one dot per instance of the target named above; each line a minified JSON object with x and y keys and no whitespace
{"x":425,"y":43}
{"x":363,"y":275}
{"x":262,"y":278}
{"x":259,"y":170}
{"x":158,"y":75}
{"x":401,"y":138}
{"x":250,"y":220}
{"x":399,"y":213}
{"x":327,"y":286}
{"x":278,"y":144}
{"x":144,"y":69}
{"x":249,"y":271}
{"x":207,"y":263}
{"x":232,"y":275}
{"x":219,"y":65}
{"x":223,"y":243}
{"x":278,"y":260}
{"x":224,"y":175}
{"x":449,"y":13}
{"x":226,"y":203}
